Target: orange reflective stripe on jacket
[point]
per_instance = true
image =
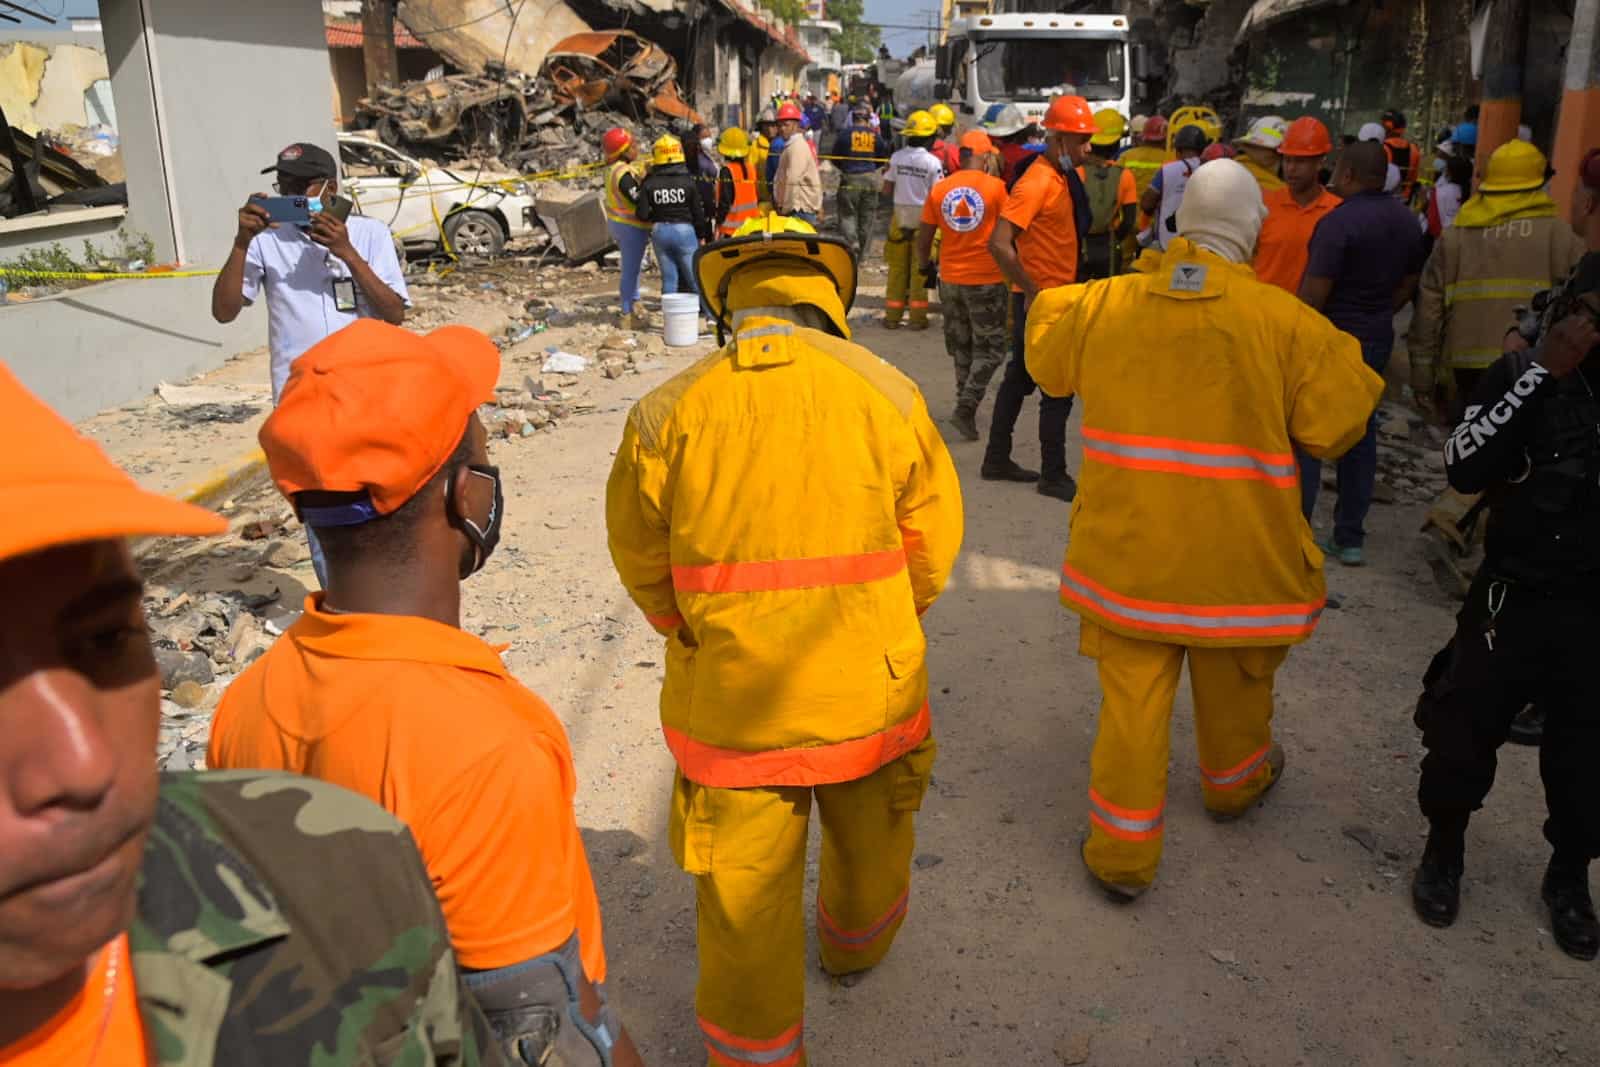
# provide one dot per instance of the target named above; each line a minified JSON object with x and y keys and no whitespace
{"x":767,"y":575}
{"x":664,"y":622}
{"x":784,"y":1050}
{"x":1197,"y":459}
{"x":841,"y":761}
{"x":1130,"y":824}
{"x":859,"y":940}
{"x":1239,"y":774}
{"x":746,"y":200}
{"x":1199,"y":620}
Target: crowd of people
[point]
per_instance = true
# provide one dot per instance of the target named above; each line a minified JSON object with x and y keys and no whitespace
{"x":379,"y":875}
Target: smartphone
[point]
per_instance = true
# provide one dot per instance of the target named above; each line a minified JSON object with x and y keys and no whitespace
{"x":297,"y":210}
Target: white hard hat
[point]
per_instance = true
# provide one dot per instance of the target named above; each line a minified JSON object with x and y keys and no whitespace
{"x":1372,"y":131}
{"x":1268,"y":131}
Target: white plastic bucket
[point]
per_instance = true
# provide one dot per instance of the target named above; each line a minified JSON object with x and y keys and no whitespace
{"x":680,"y":319}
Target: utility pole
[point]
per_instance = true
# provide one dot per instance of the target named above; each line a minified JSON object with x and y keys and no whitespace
{"x":1505,"y":53}
{"x":377,"y":44}
{"x":1579,"y":128}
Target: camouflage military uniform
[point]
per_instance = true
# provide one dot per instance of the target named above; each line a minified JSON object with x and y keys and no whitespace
{"x":283,"y":920}
{"x":975,"y":336}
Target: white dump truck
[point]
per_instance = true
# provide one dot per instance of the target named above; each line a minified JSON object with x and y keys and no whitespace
{"x":1025,"y":59}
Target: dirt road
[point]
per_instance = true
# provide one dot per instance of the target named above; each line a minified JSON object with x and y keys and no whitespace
{"x":1286,"y":938}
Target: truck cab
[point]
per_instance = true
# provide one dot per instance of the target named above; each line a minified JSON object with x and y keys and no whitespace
{"x":1028,"y":58}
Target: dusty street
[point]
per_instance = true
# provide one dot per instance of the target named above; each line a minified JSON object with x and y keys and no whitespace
{"x":1285,"y":938}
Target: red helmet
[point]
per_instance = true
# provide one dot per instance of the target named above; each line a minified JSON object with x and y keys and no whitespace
{"x":615,"y":142}
{"x":1306,"y":137}
{"x":1155,"y":131}
{"x":1217,"y":151}
{"x":788,"y":111}
{"x":1070,"y":114}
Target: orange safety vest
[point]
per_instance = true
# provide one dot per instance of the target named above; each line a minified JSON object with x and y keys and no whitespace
{"x":618,"y":209}
{"x":746,"y":203}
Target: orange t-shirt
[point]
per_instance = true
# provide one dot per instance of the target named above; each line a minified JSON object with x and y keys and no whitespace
{"x":1040,"y":206}
{"x":965,"y":206}
{"x":1127,"y":188}
{"x":1285,"y":243}
{"x":82,"y":1031}
{"x":426,"y":720}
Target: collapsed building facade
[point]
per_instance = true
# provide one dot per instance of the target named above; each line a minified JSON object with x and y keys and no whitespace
{"x":524,"y":92}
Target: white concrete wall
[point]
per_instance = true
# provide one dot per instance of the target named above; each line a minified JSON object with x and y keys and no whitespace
{"x":207,"y":92}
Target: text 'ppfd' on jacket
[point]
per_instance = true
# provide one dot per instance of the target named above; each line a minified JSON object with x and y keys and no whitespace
{"x":1187,"y":526}
{"x":784,"y":511}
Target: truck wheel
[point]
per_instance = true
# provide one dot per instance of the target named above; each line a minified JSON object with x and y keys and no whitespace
{"x":475,"y":234}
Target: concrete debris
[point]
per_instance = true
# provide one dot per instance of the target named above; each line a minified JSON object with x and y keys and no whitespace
{"x":211,"y":403}
{"x":189,"y":695}
{"x":177,"y":667}
{"x":534,"y":122}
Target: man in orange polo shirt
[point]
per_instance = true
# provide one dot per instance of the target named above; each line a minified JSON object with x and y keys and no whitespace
{"x":962,"y":210}
{"x":1035,"y":244}
{"x":377,"y":688}
{"x":1294,"y":210}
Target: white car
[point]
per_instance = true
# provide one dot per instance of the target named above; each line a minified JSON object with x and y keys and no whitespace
{"x":477,"y":210}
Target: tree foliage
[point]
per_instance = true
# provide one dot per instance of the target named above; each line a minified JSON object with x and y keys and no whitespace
{"x":857,"y":41}
{"x":790,"y":11}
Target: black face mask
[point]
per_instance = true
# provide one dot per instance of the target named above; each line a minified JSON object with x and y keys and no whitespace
{"x":483,"y":539}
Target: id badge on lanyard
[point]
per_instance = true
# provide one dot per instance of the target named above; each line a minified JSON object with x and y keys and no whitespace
{"x":344,"y":294}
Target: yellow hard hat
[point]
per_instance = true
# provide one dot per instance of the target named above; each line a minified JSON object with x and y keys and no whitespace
{"x":668,"y":149}
{"x":942,"y":115}
{"x":920,"y":124}
{"x":786,"y":261}
{"x":1111,"y":125}
{"x":733,"y":144}
{"x":1515,"y":167}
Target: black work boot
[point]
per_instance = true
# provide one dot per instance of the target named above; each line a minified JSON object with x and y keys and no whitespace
{"x":1061,"y":486}
{"x":1006,"y":470}
{"x":1572,"y":919}
{"x":964,"y":419}
{"x":1436,"y":887}
{"x":1528,"y":727}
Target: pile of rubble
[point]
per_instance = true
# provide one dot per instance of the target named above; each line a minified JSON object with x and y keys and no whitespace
{"x":588,"y":83}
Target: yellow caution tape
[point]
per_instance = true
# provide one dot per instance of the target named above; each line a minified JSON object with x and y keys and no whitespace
{"x":103,"y":275}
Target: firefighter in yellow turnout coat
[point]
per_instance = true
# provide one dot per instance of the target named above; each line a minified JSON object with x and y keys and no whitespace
{"x":1186,"y":535}
{"x":784,"y":512}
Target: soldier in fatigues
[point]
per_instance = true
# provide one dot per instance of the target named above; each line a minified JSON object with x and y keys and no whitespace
{"x":962,"y":210}
{"x":859,"y":153}
{"x":234,"y":919}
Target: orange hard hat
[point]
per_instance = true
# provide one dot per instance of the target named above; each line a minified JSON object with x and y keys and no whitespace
{"x":1155,"y":131}
{"x":788,"y":111}
{"x":615,"y":142}
{"x":977,"y":142}
{"x":1306,"y":137}
{"x":1070,"y":114}
{"x":376,"y":410}
{"x":57,"y":487}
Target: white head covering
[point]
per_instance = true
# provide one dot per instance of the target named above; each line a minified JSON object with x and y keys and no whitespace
{"x":1372,"y":131}
{"x":1222,"y":210}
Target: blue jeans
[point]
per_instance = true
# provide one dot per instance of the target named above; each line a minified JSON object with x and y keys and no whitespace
{"x":807,"y":217}
{"x":631,"y":240}
{"x":675,"y":244}
{"x":1358,"y":469}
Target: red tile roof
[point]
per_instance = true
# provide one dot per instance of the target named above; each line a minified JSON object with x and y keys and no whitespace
{"x":347,"y":33}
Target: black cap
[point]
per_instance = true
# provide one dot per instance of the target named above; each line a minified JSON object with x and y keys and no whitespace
{"x":1396,"y":119}
{"x":301,"y":160}
{"x":1191,"y":139}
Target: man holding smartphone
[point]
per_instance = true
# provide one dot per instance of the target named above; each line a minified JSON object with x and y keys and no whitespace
{"x":319,"y":276}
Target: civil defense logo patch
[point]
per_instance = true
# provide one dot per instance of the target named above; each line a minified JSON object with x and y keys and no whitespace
{"x":962,"y":209}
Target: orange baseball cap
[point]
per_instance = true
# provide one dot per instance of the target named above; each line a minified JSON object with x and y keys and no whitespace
{"x":977,"y":141}
{"x":376,"y":409}
{"x":57,"y":487}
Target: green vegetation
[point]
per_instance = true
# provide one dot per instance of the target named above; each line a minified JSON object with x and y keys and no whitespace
{"x":857,"y":41}
{"x":127,"y":250}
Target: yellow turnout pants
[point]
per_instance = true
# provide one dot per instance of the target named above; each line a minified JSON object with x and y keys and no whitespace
{"x":1128,"y":771}
{"x":905,"y":281}
{"x":747,"y":851}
